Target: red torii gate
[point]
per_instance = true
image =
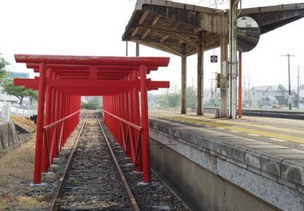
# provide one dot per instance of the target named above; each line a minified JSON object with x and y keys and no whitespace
{"x":61,"y":82}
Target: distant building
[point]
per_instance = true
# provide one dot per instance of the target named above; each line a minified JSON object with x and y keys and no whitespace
{"x":301,"y":96}
{"x":246,"y":97}
{"x":17,"y":74}
{"x":263,"y":96}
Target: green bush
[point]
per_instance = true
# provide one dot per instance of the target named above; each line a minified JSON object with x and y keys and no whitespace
{"x":90,"y":105}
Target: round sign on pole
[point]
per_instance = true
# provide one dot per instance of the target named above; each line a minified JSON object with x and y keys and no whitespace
{"x":248,"y":34}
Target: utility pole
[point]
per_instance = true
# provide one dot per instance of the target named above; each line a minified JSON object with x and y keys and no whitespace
{"x":215,"y":85}
{"x":211,"y":89}
{"x":289,"y":85}
{"x":298,"y":101}
{"x":126,"y":48}
{"x":137,"y":49}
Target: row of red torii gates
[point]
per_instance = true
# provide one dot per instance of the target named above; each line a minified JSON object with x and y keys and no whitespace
{"x":64,"y":79}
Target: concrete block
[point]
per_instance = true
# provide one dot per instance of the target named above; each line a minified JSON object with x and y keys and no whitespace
{"x":238,"y":153}
{"x":292,"y":171}
{"x":8,"y":136}
{"x":271,"y":164}
{"x":225,"y":149}
{"x":253,"y":158}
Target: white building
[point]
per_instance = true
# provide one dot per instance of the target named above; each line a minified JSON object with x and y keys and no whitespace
{"x":263,"y":96}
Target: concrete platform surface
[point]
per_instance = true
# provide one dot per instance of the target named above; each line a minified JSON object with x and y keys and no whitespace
{"x":283,"y":132}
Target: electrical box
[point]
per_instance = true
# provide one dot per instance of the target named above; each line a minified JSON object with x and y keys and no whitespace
{"x":218,"y":80}
{"x":225,"y":69}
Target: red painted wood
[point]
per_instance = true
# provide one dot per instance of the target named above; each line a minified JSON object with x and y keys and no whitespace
{"x":145,"y":125}
{"x":93,"y":60}
{"x":40,"y":123}
{"x":114,"y":78}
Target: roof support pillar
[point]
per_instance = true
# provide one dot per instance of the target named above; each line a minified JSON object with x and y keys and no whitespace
{"x":200,"y":75}
{"x":240,"y":85}
{"x":184,"y":84}
{"x":224,"y":78}
{"x":233,"y":59}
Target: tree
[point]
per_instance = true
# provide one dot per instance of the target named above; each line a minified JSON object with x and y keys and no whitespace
{"x":3,"y":63}
{"x":162,"y":100}
{"x":174,"y":100}
{"x":191,"y":97}
{"x":91,"y":105}
{"x":18,"y":91}
{"x":33,"y":95}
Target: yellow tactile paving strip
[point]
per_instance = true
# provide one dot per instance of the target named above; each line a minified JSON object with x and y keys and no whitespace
{"x":243,"y":127}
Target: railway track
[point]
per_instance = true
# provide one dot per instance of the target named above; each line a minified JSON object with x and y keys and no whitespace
{"x":99,"y":176}
{"x":286,"y":114}
{"x":92,"y":179}
{"x":294,"y":114}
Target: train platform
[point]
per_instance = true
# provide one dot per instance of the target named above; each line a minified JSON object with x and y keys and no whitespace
{"x":277,"y":131}
{"x":252,"y":163}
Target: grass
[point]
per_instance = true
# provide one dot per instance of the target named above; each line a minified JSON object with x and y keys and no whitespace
{"x":25,"y":123}
{"x":16,"y":173}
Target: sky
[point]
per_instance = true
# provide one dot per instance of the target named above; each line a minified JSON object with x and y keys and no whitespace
{"x":95,"y":27}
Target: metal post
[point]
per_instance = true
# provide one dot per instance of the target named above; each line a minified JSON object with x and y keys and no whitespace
{"x":240,"y":85}
{"x":184,"y":85}
{"x":298,"y":91}
{"x":145,"y":125}
{"x":137,"y":49}
{"x":233,"y":58}
{"x":40,"y":123}
{"x":200,"y":76}
{"x":289,"y":84}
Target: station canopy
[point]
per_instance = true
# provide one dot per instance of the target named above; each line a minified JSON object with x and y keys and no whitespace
{"x":175,"y":27}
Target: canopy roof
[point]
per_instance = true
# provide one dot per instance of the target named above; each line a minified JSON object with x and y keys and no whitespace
{"x":175,"y":27}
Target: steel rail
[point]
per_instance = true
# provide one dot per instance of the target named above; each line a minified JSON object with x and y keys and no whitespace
{"x":56,"y":198}
{"x":285,"y":114}
{"x":131,"y":199}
